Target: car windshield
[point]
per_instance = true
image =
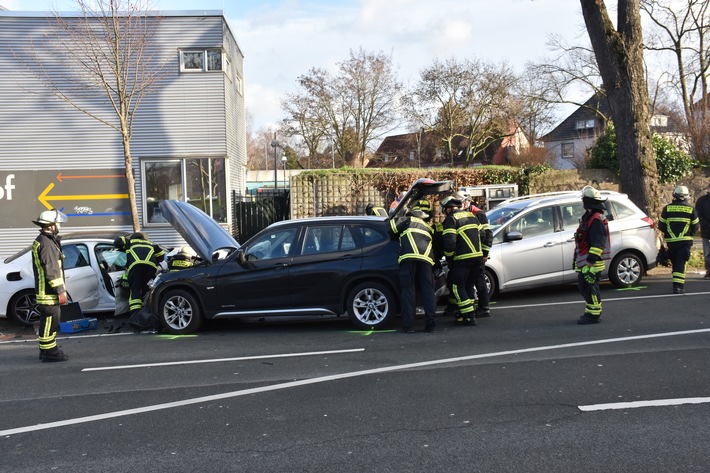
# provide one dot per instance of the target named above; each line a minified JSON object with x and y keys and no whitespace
{"x":499,"y":216}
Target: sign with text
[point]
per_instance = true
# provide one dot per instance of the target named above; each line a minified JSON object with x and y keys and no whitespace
{"x":88,"y":197}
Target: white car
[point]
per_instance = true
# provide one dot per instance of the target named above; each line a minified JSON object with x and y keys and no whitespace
{"x":92,"y":267}
{"x":533,"y":241}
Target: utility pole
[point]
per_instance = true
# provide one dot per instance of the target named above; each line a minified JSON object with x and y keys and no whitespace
{"x":275,"y":144}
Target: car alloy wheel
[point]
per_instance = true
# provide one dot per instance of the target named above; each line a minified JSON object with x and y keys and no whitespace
{"x":23,"y":308}
{"x":626,"y":270}
{"x":370,"y":305}
{"x":180,"y":313}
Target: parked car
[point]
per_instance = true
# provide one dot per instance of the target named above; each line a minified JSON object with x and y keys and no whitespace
{"x":533,"y":241}
{"x":313,"y":266}
{"x":91,"y":267}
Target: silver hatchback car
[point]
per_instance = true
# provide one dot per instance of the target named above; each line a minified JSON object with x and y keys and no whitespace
{"x":533,"y":241}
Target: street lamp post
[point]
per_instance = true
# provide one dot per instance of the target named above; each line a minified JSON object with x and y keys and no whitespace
{"x":283,"y":160}
{"x":275,"y":144}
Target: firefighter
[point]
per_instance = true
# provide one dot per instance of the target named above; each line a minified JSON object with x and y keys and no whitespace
{"x":679,"y":222}
{"x":185,"y":258}
{"x":374,"y":210}
{"x":462,"y":248}
{"x":592,"y":248}
{"x":482,"y":296}
{"x":50,"y":289}
{"x":415,"y":267}
{"x":142,"y":260}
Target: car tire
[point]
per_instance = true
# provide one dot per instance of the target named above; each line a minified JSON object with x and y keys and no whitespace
{"x":371,"y":306}
{"x":179,"y":312}
{"x":626,"y":270}
{"x":491,"y":283}
{"x":23,"y":307}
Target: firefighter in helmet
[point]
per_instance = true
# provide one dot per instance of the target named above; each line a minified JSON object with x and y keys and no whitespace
{"x":679,"y":222}
{"x":50,"y":288}
{"x":415,"y":267}
{"x":185,"y":258}
{"x":461,"y":240}
{"x":142,"y":260}
{"x":591,"y":249}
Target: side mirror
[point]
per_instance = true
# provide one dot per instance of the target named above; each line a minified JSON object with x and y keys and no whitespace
{"x":240,"y":256}
{"x":513,"y":236}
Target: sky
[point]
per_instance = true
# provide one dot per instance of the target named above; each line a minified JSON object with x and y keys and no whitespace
{"x":283,"y":39}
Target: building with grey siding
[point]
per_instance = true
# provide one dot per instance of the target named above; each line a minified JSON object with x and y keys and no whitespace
{"x":189,"y":133}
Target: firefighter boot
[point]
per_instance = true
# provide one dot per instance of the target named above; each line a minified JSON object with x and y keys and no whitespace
{"x":55,"y":354}
{"x":587,"y":319}
{"x":678,"y":288}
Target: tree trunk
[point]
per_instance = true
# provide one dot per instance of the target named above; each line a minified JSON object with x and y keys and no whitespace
{"x":619,"y":55}
{"x":131,"y":181}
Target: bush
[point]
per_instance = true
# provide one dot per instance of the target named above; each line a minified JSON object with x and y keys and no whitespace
{"x":672,"y":163}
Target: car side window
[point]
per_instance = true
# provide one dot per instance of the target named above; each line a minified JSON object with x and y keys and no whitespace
{"x":326,"y":239}
{"x":571,"y":213}
{"x":75,"y":256}
{"x":273,"y":244}
{"x":371,"y":236}
{"x":535,"y":223}
{"x":621,"y":211}
{"x":110,"y":258}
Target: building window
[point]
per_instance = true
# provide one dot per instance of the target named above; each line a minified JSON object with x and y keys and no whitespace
{"x":201,"y":182}
{"x":584,"y":124}
{"x":201,"y":60}
{"x":567,"y":150}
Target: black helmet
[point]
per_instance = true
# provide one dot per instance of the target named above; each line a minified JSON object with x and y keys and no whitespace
{"x":138,"y":236}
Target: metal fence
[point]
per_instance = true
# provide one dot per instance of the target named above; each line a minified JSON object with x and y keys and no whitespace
{"x":252,"y":213}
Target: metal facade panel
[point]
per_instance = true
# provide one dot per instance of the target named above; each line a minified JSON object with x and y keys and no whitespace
{"x":192,"y":115}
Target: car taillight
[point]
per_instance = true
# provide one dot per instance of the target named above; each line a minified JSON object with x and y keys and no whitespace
{"x":649,"y":221}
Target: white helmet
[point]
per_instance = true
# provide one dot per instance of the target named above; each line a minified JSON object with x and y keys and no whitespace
{"x":187,"y":252}
{"x":591,"y":193}
{"x":681,"y":193}
{"x":50,"y":217}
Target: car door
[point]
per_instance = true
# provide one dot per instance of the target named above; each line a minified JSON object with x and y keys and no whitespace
{"x":81,"y":279}
{"x":534,"y":259}
{"x":111,"y":264}
{"x":261,"y":282}
{"x":328,"y":254}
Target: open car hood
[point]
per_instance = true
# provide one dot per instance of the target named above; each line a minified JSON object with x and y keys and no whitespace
{"x":421,"y":188}
{"x":199,"y":230}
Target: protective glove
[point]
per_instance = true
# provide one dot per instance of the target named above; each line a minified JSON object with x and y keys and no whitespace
{"x":590,"y":277}
{"x":124,"y":282}
{"x":63,"y":300}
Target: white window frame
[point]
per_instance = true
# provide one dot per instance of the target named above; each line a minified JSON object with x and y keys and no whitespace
{"x":205,"y":60}
{"x":562,"y":150}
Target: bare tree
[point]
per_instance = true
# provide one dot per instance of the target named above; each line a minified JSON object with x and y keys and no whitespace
{"x":350,"y":109}
{"x":619,"y":54}
{"x":684,"y":32}
{"x":468,"y":101}
{"x":105,"y":51}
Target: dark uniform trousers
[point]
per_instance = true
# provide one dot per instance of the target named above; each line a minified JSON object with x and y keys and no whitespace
{"x":679,"y":254}
{"x":463,"y":275}
{"x":414,"y":274}
{"x":48,"y":326}
{"x":138,"y":278}
{"x":590,"y":293}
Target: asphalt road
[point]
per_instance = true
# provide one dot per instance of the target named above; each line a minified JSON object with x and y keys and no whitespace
{"x":526,"y":390}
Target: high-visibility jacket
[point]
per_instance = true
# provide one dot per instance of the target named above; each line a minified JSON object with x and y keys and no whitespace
{"x":139,"y":251}
{"x":592,"y":241}
{"x":415,"y":239}
{"x":679,"y":222}
{"x":48,"y":268}
{"x":461,"y":238}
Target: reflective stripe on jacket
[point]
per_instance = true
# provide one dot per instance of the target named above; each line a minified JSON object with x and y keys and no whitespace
{"x":462,"y":236}
{"x":48,"y":268}
{"x":678,"y":222}
{"x":415,"y":239}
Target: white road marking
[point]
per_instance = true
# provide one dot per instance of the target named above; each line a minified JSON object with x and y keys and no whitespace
{"x":334,"y":377}
{"x":605,"y":301}
{"x":637,"y":404}
{"x":219,"y":360}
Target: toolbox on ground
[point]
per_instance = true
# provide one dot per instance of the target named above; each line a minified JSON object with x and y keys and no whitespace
{"x":73,"y":320}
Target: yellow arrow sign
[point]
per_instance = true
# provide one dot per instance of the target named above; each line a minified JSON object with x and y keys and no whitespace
{"x":45,"y":198}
